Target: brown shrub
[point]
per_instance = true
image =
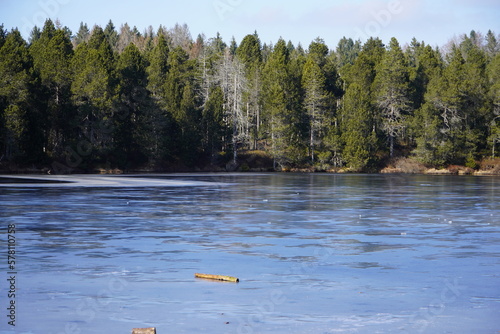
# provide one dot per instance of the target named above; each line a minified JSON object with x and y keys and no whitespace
{"x":491,"y":166}
{"x":409,"y":166}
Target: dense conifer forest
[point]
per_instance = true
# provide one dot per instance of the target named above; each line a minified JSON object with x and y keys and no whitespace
{"x":161,"y":100}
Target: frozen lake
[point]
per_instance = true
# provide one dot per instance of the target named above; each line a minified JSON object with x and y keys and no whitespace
{"x":315,"y":253}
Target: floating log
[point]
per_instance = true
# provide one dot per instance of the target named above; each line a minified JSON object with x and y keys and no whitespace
{"x":217,"y":277}
{"x":151,"y":330}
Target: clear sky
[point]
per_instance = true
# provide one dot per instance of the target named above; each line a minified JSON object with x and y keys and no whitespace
{"x":433,"y":21}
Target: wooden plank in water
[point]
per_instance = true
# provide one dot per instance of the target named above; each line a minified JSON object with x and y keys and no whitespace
{"x":151,"y":330}
{"x":217,"y":277}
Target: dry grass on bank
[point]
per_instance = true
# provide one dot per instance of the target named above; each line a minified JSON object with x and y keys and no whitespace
{"x":489,"y":166}
{"x":404,"y":165}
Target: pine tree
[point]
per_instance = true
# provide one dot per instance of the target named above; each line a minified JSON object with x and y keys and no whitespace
{"x":179,"y":90}
{"x":447,"y":94}
{"x":429,"y":139}
{"x":493,"y":119}
{"x":162,"y":121}
{"x":393,"y":92}
{"x":111,"y":34}
{"x":157,"y":71}
{"x":492,"y":46}
{"x":190,"y":124}
{"x":16,"y":110}
{"x":52,"y":54}
{"x":425,"y":124}
{"x":475,"y":111}
{"x":132,"y":135}
{"x":213,"y":126}
{"x":3,"y":35}
{"x":94,"y":94}
{"x":249,"y":53}
{"x":82,"y":35}
{"x":279,"y":119}
{"x":35,"y":35}
{"x":347,"y":51}
{"x":315,"y":103}
{"x":357,"y":128}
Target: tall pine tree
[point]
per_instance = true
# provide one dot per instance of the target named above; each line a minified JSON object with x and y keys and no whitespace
{"x":393,"y":92}
{"x":357,"y":128}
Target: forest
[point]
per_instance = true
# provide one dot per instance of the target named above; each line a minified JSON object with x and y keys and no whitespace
{"x":162,"y":101}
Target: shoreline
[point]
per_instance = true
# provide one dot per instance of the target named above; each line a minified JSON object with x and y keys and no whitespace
{"x":259,"y":162}
{"x":453,"y":171}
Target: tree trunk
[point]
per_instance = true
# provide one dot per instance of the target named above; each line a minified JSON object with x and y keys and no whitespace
{"x":391,"y":143}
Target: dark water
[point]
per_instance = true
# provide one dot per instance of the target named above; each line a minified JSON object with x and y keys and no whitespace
{"x":314,"y":253}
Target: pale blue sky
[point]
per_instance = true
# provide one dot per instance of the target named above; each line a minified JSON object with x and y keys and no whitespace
{"x":434,"y":21}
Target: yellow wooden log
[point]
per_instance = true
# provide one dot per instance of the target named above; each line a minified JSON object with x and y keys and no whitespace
{"x":217,"y":277}
{"x":151,"y":330}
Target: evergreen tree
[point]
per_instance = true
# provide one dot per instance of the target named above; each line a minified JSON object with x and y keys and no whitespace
{"x":280,"y":120}
{"x":190,"y":124}
{"x":249,"y":50}
{"x":158,"y":70}
{"x":249,"y":53}
{"x":347,"y":51}
{"x":446,"y":94}
{"x":3,"y":35}
{"x":318,"y":51}
{"x":111,"y":34}
{"x":35,"y":35}
{"x":133,"y":99}
{"x":213,"y":126}
{"x":425,"y":125}
{"x":313,"y":81}
{"x":393,"y":92}
{"x":426,"y":63}
{"x":430,"y":144}
{"x":82,"y":35}
{"x":492,"y":46}
{"x":357,"y":128}
{"x":475,"y":99}
{"x":132,"y":134}
{"x":16,"y":110}
{"x":493,"y":118}
{"x":162,"y":122}
{"x":94,"y":95}
{"x":233,"y":47}
{"x":52,"y":54}
{"x":179,"y":87}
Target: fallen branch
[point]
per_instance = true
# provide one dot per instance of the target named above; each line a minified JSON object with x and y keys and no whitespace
{"x":217,"y":277}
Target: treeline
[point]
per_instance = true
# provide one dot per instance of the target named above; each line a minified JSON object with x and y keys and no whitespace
{"x":125,"y":99}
